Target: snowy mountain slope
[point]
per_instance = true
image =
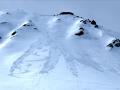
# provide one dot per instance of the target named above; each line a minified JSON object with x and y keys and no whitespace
{"x":44,"y":52}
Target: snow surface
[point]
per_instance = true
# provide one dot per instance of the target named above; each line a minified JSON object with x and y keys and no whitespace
{"x":45,"y":54}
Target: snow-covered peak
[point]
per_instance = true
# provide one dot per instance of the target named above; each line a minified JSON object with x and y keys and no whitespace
{"x":57,"y":46}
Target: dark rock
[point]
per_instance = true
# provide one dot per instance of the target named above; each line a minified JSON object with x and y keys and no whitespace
{"x":110,"y":45}
{"x":58,"y":19}
{"x":80,"y":33}
{"x":117,"y":44}
{"x":114,"y":43}
{"x":35,"y":28}
{"x":81,"y":20}
{"x":14,"y":33}
{"x":117,"y":40}
{"x":81,"y":28}
{"x":66,"y":13}
{"x":93,"y":22}
{"x":3,"y":22}
{"x":96,"y":26}
{"x":25,"y":25}
{"x":89,"y":20}
{"x":28,"y":25}
{"x":77,"y":16}
{"x":0,"y":37}
{"x":7,"y":12}
{"x":84,"y":22}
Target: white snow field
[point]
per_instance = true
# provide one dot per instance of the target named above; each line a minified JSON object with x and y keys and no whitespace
{"x":42,"y":52}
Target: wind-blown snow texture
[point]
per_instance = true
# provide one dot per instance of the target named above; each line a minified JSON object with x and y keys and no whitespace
{"x":42,"y":52}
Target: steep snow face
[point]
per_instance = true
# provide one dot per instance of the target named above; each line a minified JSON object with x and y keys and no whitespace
{"x":59,"y":52}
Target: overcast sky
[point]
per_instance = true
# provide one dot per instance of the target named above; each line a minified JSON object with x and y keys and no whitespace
{"x":106,"y":12}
